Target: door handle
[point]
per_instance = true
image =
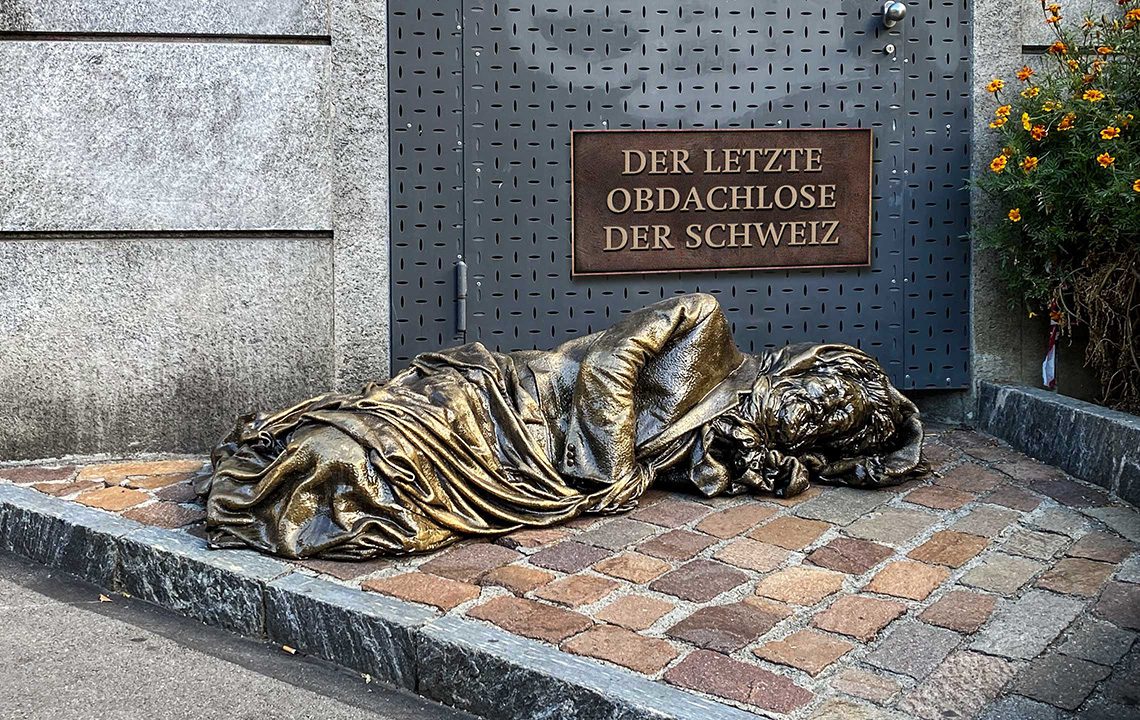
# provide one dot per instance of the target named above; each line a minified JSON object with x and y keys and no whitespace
{"x":893,"y":13}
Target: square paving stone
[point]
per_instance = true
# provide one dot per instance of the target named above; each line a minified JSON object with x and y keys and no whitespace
{"x":847,"y":555}
{"x":634,"y":611}
{"x":1129,"y":571}
{"x":113,"y":499}
{"x":894,"y":526}
{"x":949,"y":548}
{"x":533,"y":538}
{"x":971,"y":478}
{"x":843,"y":709}
{"x":908,"y":579}
{"x":1096,"y":641}
{"x":576,"y":590}
{"x":1102,"y":546}
{"x":859,"y":616}
{"x":37,"y":474}
{"x":790,"y":533}
{"x":752,"y":555}
{"x":986,"y":521}
{"x":622,"y":647}
{"x":1124,"y":521}
{"x":617,"y":533}
{"x":632,"y":566}
{"x":842,"y":506}
{"x":1070,"y":493}
{"x":1120,"y":605}
{"x":531,"y":619}
{"x":800,"y":585}
{"x":1060,"y":521}
{"x":805,"y":650}
{"x":344,"y":570}
{"x":939,"y":497}
{"x":1076,"y":576}
{"x":165,"y":514}
{"x":422,"y":588}
{"x":468,"y":563}
{"x":1028,"y":470}
{"x":1002,"y":574}
{"x":1059,"y":680}
{"x":724,"y":628}
{"x":735,"y":520}
{"x":1014,"y":498}
{"x":960,"y":610}
{"x":867,"y":685}
{"x":1023,"y":629}
{"x":676,"y":545}
{"x":959,"y":687}
{"x":568,"y":557}
{"x":699,"y":580}
{"x":716,"y":674}
{"x":1016,"y":707}
{"x":913,"y":649}
{"x":671,"y":513}
{"x":519,"y":579}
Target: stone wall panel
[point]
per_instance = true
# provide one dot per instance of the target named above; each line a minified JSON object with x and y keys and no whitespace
{"x":234,"y":17}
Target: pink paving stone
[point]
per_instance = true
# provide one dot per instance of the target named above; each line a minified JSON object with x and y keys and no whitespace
{"x":671,"y":513}
{"x":1014,"y":498}
{"x":533,"y":538}
{"x":735,"y":520}
{"x":182,"y":492}
{"x":790,"y":533}
{"x":847,"y":555}
{"x":1102,"y":546}
{"x":960,"y":610}
{"x":61,"y":489}
{"x":713,"y":673}
{"x":154,"y":482}
{"x":1119,"y":603}
{"x":699,"y":580}
{"x":813,"y":491}
{"x":29,"y":474}
{"x":165,"y":514}
{"x":622,"y":647}
{"x":634,"y":612}
{"x":907,"y":579}
{"x":468,"y":563}
{"x":971,"y":478}
{"x":568,"y":556}
{"x":118,"y":471}
{"x":724,"y":628}
{"x":576,"y":590}
{"x":531,"y":619}
{"x":423,"y":588}
{"x":519,"y":579}
{"x":800,"y":585}
{"x":676,"y":545}
{"x":866,"y":685}
{"x":938,"y":497}
{"x":859,"y":616}
{"x":345,"y":570}
{"x":949,"y":548}
{"x":805,"y":650}
{"x":752,"y":555}
{"x":1071,"y":494}
{"x":112,"y":498}
{"x":1076,"y":576}
{"x":632,"y":566}
{"x":938,"y":455}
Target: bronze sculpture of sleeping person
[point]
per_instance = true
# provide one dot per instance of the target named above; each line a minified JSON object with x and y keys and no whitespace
{"x":469,"y":443}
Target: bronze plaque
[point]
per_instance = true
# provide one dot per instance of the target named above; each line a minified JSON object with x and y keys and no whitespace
{"x":692,"y":200}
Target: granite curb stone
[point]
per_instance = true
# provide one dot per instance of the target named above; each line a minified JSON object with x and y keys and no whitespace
{"x":465,"y":663}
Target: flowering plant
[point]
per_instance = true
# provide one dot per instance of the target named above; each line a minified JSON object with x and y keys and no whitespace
{"x":1068,"y":182}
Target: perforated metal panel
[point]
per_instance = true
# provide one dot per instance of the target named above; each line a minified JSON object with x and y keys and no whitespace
{"x":532,"y":71}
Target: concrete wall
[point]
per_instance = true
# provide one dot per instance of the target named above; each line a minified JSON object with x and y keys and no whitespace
{"x":193,"y":215}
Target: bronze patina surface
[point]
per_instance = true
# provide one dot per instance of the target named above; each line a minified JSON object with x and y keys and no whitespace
{"x":467,"y":442}
{"x":690,"y":200}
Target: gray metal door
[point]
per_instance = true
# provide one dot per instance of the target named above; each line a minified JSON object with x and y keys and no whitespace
{"x":485,"y":93}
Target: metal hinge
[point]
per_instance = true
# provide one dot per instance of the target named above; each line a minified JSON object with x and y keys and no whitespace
{"x":461,"y":299}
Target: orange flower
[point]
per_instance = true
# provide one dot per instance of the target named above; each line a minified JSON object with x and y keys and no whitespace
{"x":1031,"y":92}
{"x":1058,"y":48}
{"x":1132,"y":16}
{"x":1015,"y":215}
{"x":1003,"y":111}
{"x":1073,"y":65}
{"x":1105,"y":159}
{"x":1093,"y":95}
{"x":1025,"y":73}
{"x":1088,"y":24}
{"x":1038,"y":132}
{"x":998,"y":164}
{"x":1136,"y":185}
{"x":1067,"y":122}
{"x":1110,"y":133}
{"x":997,"y":123}
{"x":1029,"y":164}
{"x":1105,"y":50}
{"x":995,"y":85}
{"x":1053,"y":20}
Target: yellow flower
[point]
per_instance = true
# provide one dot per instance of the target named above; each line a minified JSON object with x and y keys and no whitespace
{"x":1110,"y":133}
{"x":1093,"y":95}
{"x":1031,"y":92}
{"x":1105,"y":50}
{"x":1073,"y":64}
{"x":995,"y":85}
{"x":1088,"y":24}
{"x":1029,"y":163}
{"x":1003,"y":111}
{"x":1067,"y":122}
{"x":998,"y":164}
{"x":1132,"y":15}
{"x":1015,"y":215}
{"x":1105,"y":159}
{"x":1053,"y":20}
{"x":1038,"y":132}
{"x":1025,"y":122}
{"x":1051,"y":105}
{"x":997,"y":123}
{"x":1025,"y":73}
{"x":1058,"y":48}
{"x":1136,"y":185}
{"x":1127,"y":120}
{"x":1053,"y":8}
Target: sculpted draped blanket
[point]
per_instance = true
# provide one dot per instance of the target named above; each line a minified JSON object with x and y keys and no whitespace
{"x":468,"y":442}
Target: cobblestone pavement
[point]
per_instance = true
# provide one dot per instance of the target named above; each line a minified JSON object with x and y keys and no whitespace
{"x":998,"y":588}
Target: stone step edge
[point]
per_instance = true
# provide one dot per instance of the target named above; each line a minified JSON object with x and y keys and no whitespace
{"x":466,"y":664}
